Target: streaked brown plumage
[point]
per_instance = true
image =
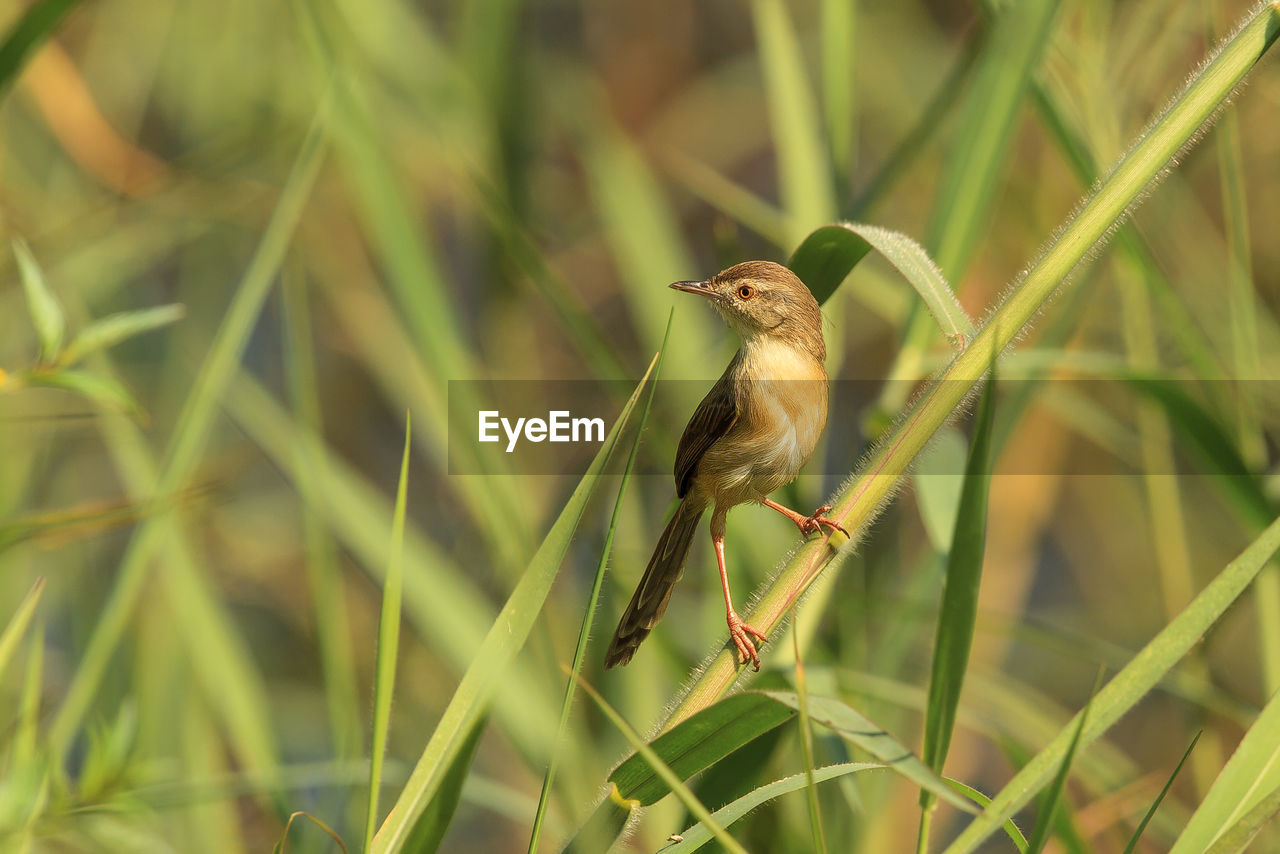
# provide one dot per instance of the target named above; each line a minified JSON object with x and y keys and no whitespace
{"x":750,"y":436}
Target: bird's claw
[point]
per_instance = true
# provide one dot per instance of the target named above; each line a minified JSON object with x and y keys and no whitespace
{"x":817,"y":519}
{"x":741,"y":633}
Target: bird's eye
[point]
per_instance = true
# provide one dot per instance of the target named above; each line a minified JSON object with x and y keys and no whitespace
{"x":746,"y":292}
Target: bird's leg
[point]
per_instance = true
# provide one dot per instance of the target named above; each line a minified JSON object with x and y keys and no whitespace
{"x":740,"y":632}
{"x":807,"y":524}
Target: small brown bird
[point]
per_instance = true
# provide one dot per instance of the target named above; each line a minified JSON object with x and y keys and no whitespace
{"x":750,"y":436}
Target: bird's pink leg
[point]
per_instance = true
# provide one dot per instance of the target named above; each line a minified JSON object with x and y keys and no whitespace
{"x":807,"y":524}
{"x":740,"y":632}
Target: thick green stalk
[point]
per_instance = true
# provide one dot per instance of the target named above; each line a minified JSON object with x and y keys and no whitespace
{"x":857,"y":503}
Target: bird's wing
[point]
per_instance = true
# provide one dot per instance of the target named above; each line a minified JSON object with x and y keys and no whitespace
{"x":713,"y":418}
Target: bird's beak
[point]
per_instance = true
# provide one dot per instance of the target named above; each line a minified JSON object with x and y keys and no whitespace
{"x":700,"y":288}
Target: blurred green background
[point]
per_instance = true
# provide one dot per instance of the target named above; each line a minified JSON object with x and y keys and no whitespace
{"x":497,"y":189}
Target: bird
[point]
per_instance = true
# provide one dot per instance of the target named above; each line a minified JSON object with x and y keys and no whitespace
{"x":749,"y":436}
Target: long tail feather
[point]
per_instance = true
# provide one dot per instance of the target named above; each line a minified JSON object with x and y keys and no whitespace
{"x":649,"y":602}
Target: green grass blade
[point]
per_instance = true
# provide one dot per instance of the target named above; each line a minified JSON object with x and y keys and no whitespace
{"x":880,"y":476}
{"x":938,"y":481}
{"x":500,"y":645}
{"x":979,"y":150}
{"x":1053,"y":797}
{"x":388,"y":643}
{"x":829,"y":254}
{"x":697,"y":836}
{"x":588,"y":617}
{"x":1128,"y":686}
{"x":959,"y":609}
{"x":839,"y":29}
{"x":115,"y":328}
{"x":1236,"y":838}
{"x":804,"y":174}
{"x":188,"y":440}
{"x":857,"y":729}
{"x":1155,"y":805}
{"x":699,"y":743}
{"x":35,"y":25}
{"x":806,"y":748}
{"x":673,"y":781}
{"x":102,"y":390}
{"x":428,"y":833}
{"x":324,"y":573}
{"x":18,"y":623}
{"x":46,"y":312}
{"x":1250,"y":775}
{"x":1011,"y":830}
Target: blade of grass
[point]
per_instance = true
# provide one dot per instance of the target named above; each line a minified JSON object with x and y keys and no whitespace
{"x":854,"y":727}
{"x":46,"y":312}
{"x":428,"y":833}
{"x":388,"y":643}
{"x":804,"y":175}
{"x":111,"y":330}
{"x":839,"y":28}
{"x":1057,"y":789}
{"x":1128,"y":686}
{"x":333,"y":626}
{"x":187,"y":443}
{"x":1155,"y":805}
{"x":18,"y":623}
{"x":668,"y":777}
{"x":696,"y":836}
{"x":35,"y":26}
{"x":959,"y":609}
{"x":1252,"y":773}
{"x":978,"y":159}
{"x":877,"y":480}
{"x":491,"y":660}
{"x":588,"y":617}
{"x":806,"y":748}
{"x":1011,"y":830}
{"x":1235,"y":839}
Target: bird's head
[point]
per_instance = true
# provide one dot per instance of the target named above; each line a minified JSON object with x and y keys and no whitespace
{"x":761,"y":298}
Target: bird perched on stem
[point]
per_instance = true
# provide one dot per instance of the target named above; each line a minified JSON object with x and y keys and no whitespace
{"x":750,"y":436}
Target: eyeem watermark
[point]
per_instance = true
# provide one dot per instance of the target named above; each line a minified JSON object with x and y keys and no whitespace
{"x":558,"y":426}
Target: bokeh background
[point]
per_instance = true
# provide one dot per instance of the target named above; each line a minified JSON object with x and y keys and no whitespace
{"x":502,"y":190}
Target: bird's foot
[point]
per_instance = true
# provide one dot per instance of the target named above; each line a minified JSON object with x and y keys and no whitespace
{"x":817,"y":519}
{"x":741,"y":633}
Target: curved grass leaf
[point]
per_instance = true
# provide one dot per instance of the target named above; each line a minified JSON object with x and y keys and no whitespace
{"x":1250,"y":775}
{"x":388,"y":643}
{"x":831,"y":252}
{"x":959,"y":609}
{"x":46,"y":312}
{"x":855,"y":728}
{"x":1129,"y":686}
{"x":697,"y":835}
{"x":1011,"y":830}
{"x":115,"y":328}
{"x":500,"y":645}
